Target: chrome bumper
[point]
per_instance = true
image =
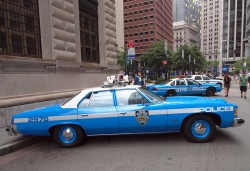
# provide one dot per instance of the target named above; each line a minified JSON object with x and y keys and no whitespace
{"x":11,"y":130}
{"x":238,"y":122}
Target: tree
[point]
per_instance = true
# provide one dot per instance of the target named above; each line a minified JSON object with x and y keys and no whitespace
{"x":238,"y":65}
{"x":155,"y":55}
{"x":211,"y":64}
{"x":122,"y":58}
{"x":195,"y":63}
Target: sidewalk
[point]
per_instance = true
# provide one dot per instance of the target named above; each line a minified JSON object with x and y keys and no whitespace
{"x":10,"y":144}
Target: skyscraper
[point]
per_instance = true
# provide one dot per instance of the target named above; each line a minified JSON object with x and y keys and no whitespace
{"x":233,"y":31}
{"x":210,"y":24}
{"x":146,"y":22}
{"x":188,"y":11}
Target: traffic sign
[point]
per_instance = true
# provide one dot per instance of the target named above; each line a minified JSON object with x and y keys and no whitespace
{"x":165,"y":62}
{"x":131,"y":50}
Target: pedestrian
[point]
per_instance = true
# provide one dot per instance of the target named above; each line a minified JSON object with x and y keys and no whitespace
{"x":227,"y":81}
{"x":142,"y":83}
{"x":243,"y":85}
{"x":137,"y":79}
{"x":248,"y":79}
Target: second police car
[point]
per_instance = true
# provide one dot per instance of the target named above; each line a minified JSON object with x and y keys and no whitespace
{"x":184,"y":86}
{"x":126,"y":110}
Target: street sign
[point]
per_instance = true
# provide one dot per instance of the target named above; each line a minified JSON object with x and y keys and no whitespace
{"x":165,"y":62}
{"x":131,"y":50}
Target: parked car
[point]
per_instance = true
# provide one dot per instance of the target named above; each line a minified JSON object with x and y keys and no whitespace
{"x":205,"y":79}
{"x":184,"y":86}
{"x":126,"y":110}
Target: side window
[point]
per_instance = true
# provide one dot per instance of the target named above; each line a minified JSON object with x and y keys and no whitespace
{"x":205,"y":78}
{"x":198,"y":78}
{"x":173,"y":83}
{"x":98,"y":99}
{"x":129,"y":97}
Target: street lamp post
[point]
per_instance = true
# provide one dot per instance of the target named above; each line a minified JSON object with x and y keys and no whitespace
{"x":182,"y":61}
{"x":243,"y":56}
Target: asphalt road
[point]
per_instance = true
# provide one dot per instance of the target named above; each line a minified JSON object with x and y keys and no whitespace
{"x":229,"y":151}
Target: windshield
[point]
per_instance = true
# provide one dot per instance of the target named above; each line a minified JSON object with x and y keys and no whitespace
{"x":168,"y":81}
{"x":153,"y":97}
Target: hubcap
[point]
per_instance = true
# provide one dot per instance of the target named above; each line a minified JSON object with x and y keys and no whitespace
{"x":200,"y":128}
{"x":67,"y":134}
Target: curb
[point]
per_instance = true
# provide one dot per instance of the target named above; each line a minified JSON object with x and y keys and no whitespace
{"x":19,"y":144}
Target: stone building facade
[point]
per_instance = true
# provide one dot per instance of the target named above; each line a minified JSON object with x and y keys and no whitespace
{"x":54,"y":48}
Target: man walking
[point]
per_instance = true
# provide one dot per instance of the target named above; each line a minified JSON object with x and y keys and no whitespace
{"x":243,"y":85}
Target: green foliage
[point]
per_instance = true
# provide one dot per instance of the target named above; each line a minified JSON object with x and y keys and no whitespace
{"x":238,"y":65}
{"x":122,"y":57}
{"x":155,"y":55}
{"x":185,"y":64}
{"x":211,"y":64}
{"x":159,"y":80}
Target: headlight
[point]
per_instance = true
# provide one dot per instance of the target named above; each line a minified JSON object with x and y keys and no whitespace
{"x":235,"y":111}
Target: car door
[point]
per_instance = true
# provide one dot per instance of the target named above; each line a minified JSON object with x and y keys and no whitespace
{"x":181,"y":87}
{"x":97,"y":113}
{"x":194,"y":87}
{"x":137,"y":114}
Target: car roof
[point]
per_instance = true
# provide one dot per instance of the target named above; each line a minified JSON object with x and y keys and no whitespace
{"x":73,"y":102}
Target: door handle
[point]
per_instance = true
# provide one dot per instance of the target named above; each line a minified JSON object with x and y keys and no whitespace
{"x":84,"y":114}
{"x":123,"y":113}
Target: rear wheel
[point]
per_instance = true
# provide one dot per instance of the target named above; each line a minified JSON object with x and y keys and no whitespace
{"x":199,"y":129}
{"x":210,"y":91}
{"x":68,"y":135}
{"x":171,"y":93}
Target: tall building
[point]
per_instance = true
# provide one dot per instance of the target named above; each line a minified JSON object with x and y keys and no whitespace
{"x":146,"y":22}
{"x":247,"y":35}
{"x":210,"y":24}
{"x":184,"y":34}
{"x":233,"y":32}
{"x":188,"y":11}
{"x":56,"y":46}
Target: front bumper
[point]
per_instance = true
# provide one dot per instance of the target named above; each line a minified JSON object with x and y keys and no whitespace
{"x":11,"y":130}
{"x":238,"y":122}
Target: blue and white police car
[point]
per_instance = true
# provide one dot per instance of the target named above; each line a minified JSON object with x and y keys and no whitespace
{"x":126,"y":110}
{"x":184,"y":86}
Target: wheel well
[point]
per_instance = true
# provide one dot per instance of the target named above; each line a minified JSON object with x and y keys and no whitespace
{"x":51,"y":129}
{"x":215,"y":117}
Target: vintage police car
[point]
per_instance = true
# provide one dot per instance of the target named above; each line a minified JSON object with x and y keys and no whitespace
{"x":126,"y":110}
{"x":184,"y":86}
{"x":205,"y":79}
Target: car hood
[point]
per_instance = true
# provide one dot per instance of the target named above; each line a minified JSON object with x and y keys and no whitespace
{"x":194,"y":99}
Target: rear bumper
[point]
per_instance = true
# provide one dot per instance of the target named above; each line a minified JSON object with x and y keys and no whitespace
{"x":11,"y":130}
{"x":238,"y":122}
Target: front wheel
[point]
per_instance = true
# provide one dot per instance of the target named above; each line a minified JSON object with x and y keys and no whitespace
{"x":68,"y":135}
{"x":199,"y":129}
{"x":210,"y":91}
{"x":171,"y":93}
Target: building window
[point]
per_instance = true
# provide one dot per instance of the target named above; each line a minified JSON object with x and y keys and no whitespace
{"x":89,"y":36}
{"x":19,"y":28}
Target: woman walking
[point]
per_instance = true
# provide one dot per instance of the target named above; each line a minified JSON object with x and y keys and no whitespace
{"x":227,"y":81}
